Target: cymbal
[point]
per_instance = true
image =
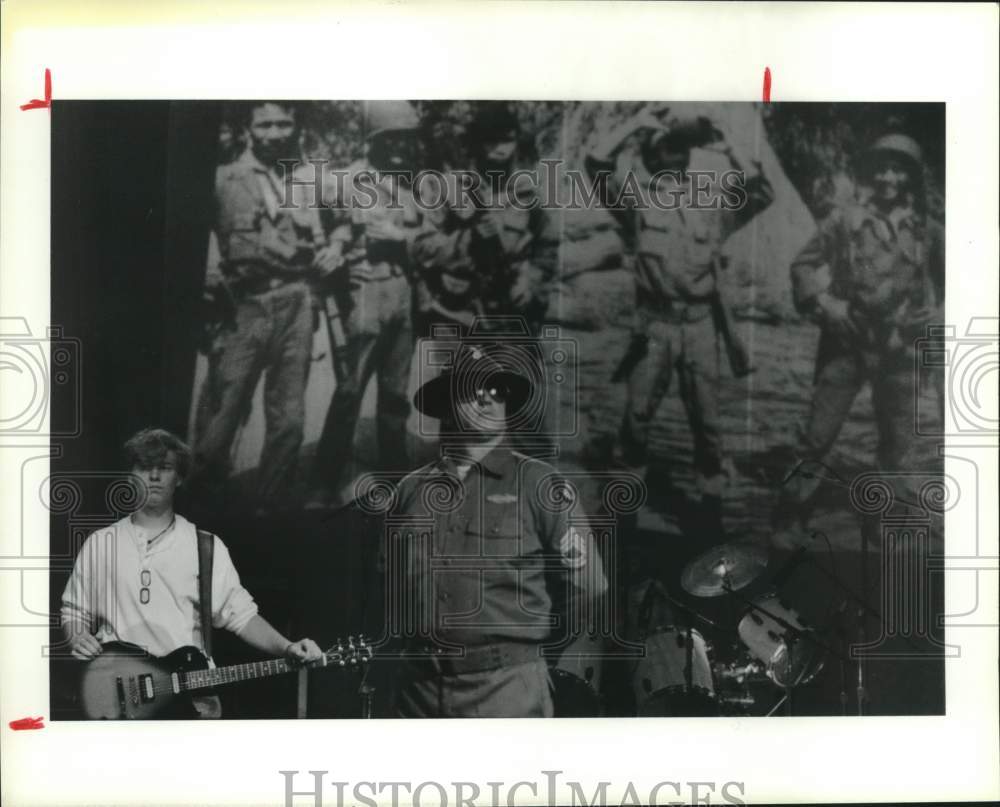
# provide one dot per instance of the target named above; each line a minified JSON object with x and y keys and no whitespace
{"x":723,"y":568}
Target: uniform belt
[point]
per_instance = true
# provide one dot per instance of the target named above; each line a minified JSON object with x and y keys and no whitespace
{"x":364,"y":270}
{"x":451,"y":661}
{"x":243,"y":287}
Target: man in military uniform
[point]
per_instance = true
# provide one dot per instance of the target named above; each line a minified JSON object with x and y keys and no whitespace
{"x":494,"y":256}
{"x":375,"y":243}
{"x":502,"y":242}
{"x":872,"y":278}
{"x":676,"y":254}
{"x":266,"y":251}
{"x":485,"y":552}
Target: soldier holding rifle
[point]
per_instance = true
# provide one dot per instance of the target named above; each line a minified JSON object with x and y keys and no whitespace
{"x":378,"y":222}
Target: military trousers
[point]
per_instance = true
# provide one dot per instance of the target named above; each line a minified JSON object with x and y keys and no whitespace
{"x":684,"y":346}
{"x":521,"y":690}
{"x":273,"y":336}
{"x":907,"y":404}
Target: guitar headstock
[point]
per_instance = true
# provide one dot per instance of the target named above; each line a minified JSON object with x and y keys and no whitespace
{"x":355,"y":652}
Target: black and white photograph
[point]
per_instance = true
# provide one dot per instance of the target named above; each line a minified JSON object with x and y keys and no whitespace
{"x":502,"y":409}
{"x":499,"y":403}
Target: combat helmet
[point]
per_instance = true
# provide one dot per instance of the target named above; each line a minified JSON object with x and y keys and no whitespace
{"x":897,"y":145}
{"x":389,"y":116}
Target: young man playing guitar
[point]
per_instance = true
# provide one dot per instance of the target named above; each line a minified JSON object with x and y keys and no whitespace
{"x":137,"y":581}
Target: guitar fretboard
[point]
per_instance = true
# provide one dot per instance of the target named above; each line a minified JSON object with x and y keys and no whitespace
{"x":200,"y":679}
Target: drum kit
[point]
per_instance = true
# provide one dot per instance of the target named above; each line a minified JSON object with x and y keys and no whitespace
{"x":773,"y":652}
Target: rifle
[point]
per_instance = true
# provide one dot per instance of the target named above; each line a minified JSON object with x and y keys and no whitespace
{"x":736,"y":351}
{"x":364,"y":250}
{"x":490,"y":258}
{"x":339,"y":350}
{"x":218,"y":314}
{"x":637,"y":349}
{"x":328,"y":289}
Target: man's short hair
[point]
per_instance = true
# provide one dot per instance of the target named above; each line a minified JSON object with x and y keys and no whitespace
{"x":246,"y":112}
{"x":147,"y":447}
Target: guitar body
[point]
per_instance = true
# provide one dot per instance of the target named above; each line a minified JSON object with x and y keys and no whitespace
{"x":126,"y":683}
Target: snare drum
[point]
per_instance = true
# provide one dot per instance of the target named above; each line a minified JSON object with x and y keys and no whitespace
{"x":576,"y":680}
{"x":659,"y":682}
{"x":765,"y":638}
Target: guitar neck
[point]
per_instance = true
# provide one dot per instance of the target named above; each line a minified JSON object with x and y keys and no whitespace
{"x":203,"y":679}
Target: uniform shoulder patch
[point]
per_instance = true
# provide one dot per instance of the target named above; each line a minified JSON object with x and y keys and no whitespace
{"x":572,"y":549}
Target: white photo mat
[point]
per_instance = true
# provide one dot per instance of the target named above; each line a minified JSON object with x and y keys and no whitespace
{"x":587,"y":51}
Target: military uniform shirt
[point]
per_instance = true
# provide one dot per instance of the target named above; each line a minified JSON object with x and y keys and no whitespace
{"x":886,"y":265}
{"x":260,"y":226}
{"x":485,"y":556}
{"x":362,"y":197}
{"x":676,"y":243}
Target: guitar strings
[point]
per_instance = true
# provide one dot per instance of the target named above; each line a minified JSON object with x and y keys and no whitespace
{"x":164,"y":685}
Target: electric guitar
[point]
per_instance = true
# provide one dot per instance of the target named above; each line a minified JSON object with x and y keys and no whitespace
{"x":126,"y":683}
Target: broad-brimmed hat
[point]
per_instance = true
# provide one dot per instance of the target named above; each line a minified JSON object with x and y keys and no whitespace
{"x":473,"y":367}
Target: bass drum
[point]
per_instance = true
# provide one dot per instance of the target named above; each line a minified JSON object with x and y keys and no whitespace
{"x":576,"y":679}
{"x":788,"y":665}
{"x":659,"y":682}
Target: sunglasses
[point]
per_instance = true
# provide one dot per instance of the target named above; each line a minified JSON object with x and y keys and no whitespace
{"x":492,"y":393}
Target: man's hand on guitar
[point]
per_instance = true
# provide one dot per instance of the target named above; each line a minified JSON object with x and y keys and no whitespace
{"x":84,"y":645}
{"x":303,"y":650}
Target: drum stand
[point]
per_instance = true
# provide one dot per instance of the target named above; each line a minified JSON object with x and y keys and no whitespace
{"x":790,"y":643}
{"x":366,"y":693}
{"x":689,"y":655}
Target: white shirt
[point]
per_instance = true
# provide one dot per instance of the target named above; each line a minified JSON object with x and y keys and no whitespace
{"x":105,"y":589}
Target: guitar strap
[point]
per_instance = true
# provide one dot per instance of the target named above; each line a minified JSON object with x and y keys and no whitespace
{"x":206,"y":549}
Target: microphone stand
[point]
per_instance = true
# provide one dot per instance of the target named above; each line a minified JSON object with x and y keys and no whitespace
{"x":792,"y":635}
{"x":842,"y":635}
{"x":864,"y":609}
{"x":862,"y":693}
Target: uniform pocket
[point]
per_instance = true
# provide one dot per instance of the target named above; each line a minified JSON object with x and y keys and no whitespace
{"x":499,"y":529}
